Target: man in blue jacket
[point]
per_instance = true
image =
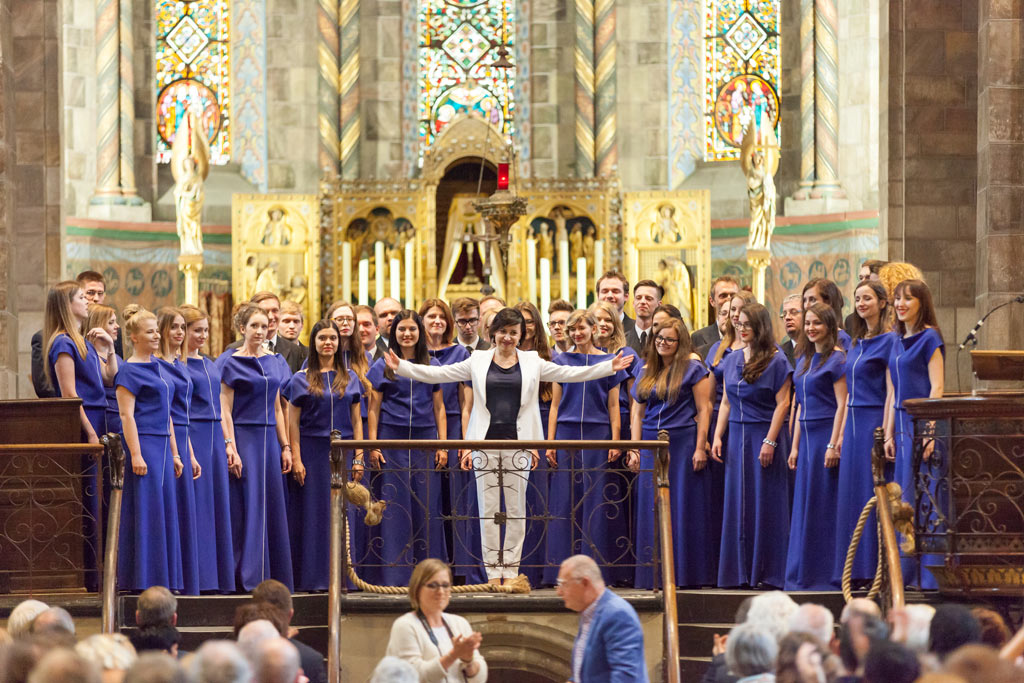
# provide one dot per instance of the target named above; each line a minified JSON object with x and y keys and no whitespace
{"x":610,"y":643}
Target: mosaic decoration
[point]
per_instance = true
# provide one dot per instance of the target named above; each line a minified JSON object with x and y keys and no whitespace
{"x":742,"y":72}
{"x":193,"y":70}
{"x":458,"y":42}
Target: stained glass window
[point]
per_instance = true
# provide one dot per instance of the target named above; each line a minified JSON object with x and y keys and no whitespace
{"x":741,"y":73}
{"x":459,"y":41}
{"x":193,"y":70}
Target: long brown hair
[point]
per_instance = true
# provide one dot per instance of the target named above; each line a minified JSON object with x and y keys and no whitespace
{"x":164,"y":319}
{"x":762,"y":342}
{"x":540,"y":342}
{"x":618,"y":339}
{"x":926,"y":311}
{"x":99,"y":315}
{"x":59,"y":319}
{"x":858,"y":326}
{"x":449,"y":319}
{"x":665,"y":379}
{"x":313,"y":367}
{"x":805,"y":348}
{"x":729,"y":336}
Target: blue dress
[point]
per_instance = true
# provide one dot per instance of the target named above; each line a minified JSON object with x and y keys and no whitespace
{"x":178,"y":375}
{"x":213,"y":500}
{"x":150,"y":544}
{"x":458,"y":495}
{"x":812,"y":546}
{"x":309,"y":505}
{"x":588,"y":497}
{"x":412,"y":529}
{"x":260,"y":533}
{"x":717,"y":469}
{"x":866,"y":367}
{"x":531,"y":563}
{"x":908,"y":368}
{"x":844,"y":339}
{"x":694,"y":540}
{"x":755,"y":519}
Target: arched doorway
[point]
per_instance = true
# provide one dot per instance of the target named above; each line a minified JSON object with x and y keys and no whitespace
{"x":462,"y":177}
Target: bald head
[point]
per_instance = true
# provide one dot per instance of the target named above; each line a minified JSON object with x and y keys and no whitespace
{"x":863,"y":606}
{"x":814,"y":620}
{"x":20,"y":622}
{"x":64,"y":666}
{"x":219,"y":661}
{"x":277,"y":662}
{"x":53,"y":619}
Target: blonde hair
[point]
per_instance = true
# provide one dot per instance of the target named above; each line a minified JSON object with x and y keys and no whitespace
{"x":484,"y":328}
{"x":164,"y":319}
{"x":108,"y":651}
{"x":292,"y":308}
{"x":99,"y":315}
{"x":891,"y":274}
{"x":192,"y":314}
{"x":422,"y":574}
{"x":617,"y":341}
{"x":134,"y":316}
{"x":581,"y":314}
{"x":59,"y":319}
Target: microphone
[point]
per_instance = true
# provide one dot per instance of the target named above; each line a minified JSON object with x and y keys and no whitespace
{"x":972,"y":336}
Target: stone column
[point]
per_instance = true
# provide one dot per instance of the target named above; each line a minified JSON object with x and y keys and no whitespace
{"x":329,"y":103}
{"x":806,"y":98}
{"x":8,"y":285}
{"x":126,"y":103}
{"x":351,"y":122}
{"x":606,"y":150}
{"x":584,"y":65}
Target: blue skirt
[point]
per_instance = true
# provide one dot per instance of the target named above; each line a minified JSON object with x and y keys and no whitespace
{"x":213,"y":508}
{"x":309,"y":516}
{"x":755,"y":517}
{"x":150,"y":544}
{"x":812,"y":547}
{"x":856,"y":487}
{"x":187,"y":523}
{"x":716,"y":471}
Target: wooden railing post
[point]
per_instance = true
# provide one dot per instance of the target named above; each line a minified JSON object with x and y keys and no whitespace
{"x":115,"y":459}
{"x":338,"y":559}
{"x":890,"y":548}
{"x":663,"y":505}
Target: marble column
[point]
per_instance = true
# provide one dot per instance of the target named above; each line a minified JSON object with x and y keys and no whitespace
{"x":328,"y":98}
{"x":348,"y":84}
{"x":606,"y":151}
{"x":584,"y":89}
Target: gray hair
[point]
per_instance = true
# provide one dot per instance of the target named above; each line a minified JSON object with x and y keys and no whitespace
{"x":795,"y":295}
{"x":584,"y":567}
{"x":919,"y":624}
{"x":278,"y":661}
{"x":394,"y":670}
{"x":750,"y":650}
{"x":251,"y":637}
{"x":815,"y":620}
{"x":53,"y":618}
{"x":771,"y":611}
{"x":20,"y":622}
{"x":156,"y":667}
{"x":219,"y":661}
{"x":156,"y":607}
{"x":111,"y":651}
{"x":61,"y":665}
{"x":864,"y":606}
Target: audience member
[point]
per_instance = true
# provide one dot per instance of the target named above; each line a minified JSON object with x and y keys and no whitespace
{"x":981,"y":664}
{"x":910,"y":626}
{"x":112,"y":653}
{"x":952,"y":626}
{"x":718,"y":671}
{"x":277,"y":661}
{"x":252,"y":635}
{"x":156,"y":667}
{"x":53,"y":619}
{"x":219,"y":661}
{"x":750,"y":653}
{"x":277,"y":595}
{"x":855,"y":639}
{"x":803,"y":658}
{"x":994,"y":630}
{"x":24,"y":613}
{"x":889,"y":662}
{"x":814,"y":620}
{"x":157,"y":639}
{"x":258,"y":611}
{"x":771,"y":611}
{"x":394,"y":670}
{"x":64,"y":665}
{"x":156,"y":606}
{"x":862,"y":606}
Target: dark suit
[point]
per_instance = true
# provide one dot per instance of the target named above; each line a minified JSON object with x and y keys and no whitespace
{"x":706,"y":336}
{"x":380,"y":349}
{"x":290,"y":350}
{"x":628,"y":324}
{"x":633,"y":340}
{"x":614,"y":649}
{"x":312,"y":662}
{"x":39,"y":382}
{"x":481,"y":344}
{"x":789,"y":348}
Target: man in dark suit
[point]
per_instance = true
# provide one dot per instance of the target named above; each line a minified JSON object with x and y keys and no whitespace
{"x":366,"y":328}
{"x":466,"y":311}
{"x":647,"y":295}
{"x":291,"y":324}
{"x":613,"y":287}
{"x":610,"y":643}
{"x":386,"y":310}
{"x":277,"y":595}
{"x":275,"y":343}
{"x":723,"y":289}
{"x":793,"y":319}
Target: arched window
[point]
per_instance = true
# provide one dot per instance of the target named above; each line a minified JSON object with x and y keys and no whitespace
{"x":741,"y":72}
{"x":458,"y":44}
{"x":193,"y":70}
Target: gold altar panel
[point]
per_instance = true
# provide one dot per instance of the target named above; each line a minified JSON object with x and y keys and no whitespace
{"x":667,"y":238}
{"x":275,"y":246}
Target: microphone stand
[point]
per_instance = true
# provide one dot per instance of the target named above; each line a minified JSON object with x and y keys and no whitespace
{"x":972,"y":336}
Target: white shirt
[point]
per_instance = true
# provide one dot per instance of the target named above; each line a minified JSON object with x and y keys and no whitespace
{"x":586,"y":620}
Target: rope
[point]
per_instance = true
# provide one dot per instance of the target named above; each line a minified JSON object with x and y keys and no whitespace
{"x":851,"y":552}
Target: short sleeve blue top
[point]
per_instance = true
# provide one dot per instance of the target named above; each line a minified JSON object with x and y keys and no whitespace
{"x":153,"y":391}
{"x":663,"y":413}
{"x":586,"y":402}
{"x":866,"y":364}
{"x":404,"y":402}
{"x":328,"y":411}
{"x":908,"y":364}
{"x":88,"y":375}
{"x":754,"y":402}
{"x":815,"y":389}
{"x":255,"y":382}
{"x":205,"y":376}
{"x":182,"y":381}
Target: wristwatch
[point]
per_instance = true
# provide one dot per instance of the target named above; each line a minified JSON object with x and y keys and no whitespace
{"x":769,"y":442}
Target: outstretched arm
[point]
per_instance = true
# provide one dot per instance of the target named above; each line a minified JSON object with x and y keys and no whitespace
{"x":552,"y":372}
{"x":432,"y":374}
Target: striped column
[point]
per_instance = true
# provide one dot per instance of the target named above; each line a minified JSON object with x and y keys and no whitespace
{"x":806,"y":96}
{"x":351,"y":125}
{"x":584,"y":59}
{"x":826,"y":97}
{"x":126,"y":101}
{"x":108,"y":142}
{"x":606,"y":148}
{"x":328,"y":100}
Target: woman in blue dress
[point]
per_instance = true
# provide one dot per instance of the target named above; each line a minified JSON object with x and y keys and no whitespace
{"x":343,"y":314}
{"x":674,"y":394}
{"x":823,"y":291}
{"x":150,"y":543}
{"x":323,"y":397}
{"x":254,"y":428}
{"x":869,"y":394}
{"x":409,"y":480}
{"x":755,"y":520}
{"x":171,"y":324}
{"x":820,"y":388}
{"x":105,"y":318}
{"x":206,"y":436}
{"x":585,"y":519}
{"x":916,"y":370}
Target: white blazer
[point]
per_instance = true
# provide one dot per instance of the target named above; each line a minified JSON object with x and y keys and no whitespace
{"x":411,"y":642}
{"x":534,"y":370}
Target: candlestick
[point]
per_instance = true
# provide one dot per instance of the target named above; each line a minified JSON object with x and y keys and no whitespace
{"x":598,"y":261}
{"x":346,"y":271}
{"x":581,"y":282}
{"x":531,"y":271}
{"x":378,"y":271}
{"x":563,"y":267}
{"x":395,"y":271}
{"x":364,"y":282}
{"x":545,"y":288}
{"x":409,"y":274}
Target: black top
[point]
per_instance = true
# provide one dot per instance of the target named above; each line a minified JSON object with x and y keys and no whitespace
{"x":504,"y":392}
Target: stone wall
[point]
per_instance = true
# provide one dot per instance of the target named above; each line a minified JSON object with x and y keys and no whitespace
{"x":8,"y":290}
{"x":859,"y":86}
{"x":381,"y":89}
{"x":553,"y":109}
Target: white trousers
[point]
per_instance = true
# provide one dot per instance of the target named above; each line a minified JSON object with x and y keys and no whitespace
{"x":515,"y":472}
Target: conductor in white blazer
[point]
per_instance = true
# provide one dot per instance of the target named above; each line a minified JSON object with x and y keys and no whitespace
{"x":506,"y":382}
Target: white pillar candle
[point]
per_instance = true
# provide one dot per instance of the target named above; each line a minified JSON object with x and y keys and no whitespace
{"x":378,"y":271}
{"x":364,"y":282}
{"x":409,"y":274}
{"x":598,"y":262}
{"x":395,"y":271}
{"x":545,"y":288}
{"x":581,"y":282}
{"x":346,"y":271}
{"x":531,"y":271}
{"x":563,"y":267}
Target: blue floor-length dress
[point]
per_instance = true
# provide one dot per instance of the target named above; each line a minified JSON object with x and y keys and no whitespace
{"x":212,"y":489}
{"x":812,"y":547}
{"x":908,"y":368}
{"x":717,"y":469}
{"x":179,"y":376}
{"x":411,"y":529}
{"x":587,"y":497}
{"x":755,"y":520}
{"x":694,"y":541}
{"x":149,"y":551}
{"x":866,"y":367}
{"x":309,"y":505}
{"x":260,"y":535}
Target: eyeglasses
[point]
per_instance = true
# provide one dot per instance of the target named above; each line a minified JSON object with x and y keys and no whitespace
{"x":743,"y":326}
{"x":794,"y":312}
{"x":665,"y":341}
{"x":556,"y":323}
{"x":462,"y":322}
{"x":344,"y":319}
{"x":435,"y":586}
{"x":562,"y":582}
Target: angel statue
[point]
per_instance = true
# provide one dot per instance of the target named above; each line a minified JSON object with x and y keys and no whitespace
{"x":760,"y":162}
{"x":190,"y":164}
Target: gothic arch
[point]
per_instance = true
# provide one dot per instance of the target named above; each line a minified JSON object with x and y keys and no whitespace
{"x":527,"y":646}
{"x":465,"y":136}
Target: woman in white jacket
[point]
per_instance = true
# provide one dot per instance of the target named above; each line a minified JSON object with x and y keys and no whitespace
{"x":505,"y":383}
{"x":441,"y":647}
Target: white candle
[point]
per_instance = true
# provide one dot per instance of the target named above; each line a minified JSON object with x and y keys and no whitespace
{"x":378,"y":271}
{"x":409,"y":274}
{"x":545,"y":288}
{"x":395,"y":271}
{"x":364,"y":282}
{"x":531,"y":271}
{"x":581,"y":282}
{"x":346,"y":271}
{"x":563,"y":267}
{"x":598,"y":261}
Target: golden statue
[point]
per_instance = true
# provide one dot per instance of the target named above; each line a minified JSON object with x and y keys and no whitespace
{"x":674,"y":279}
{"x":545,"y":247}
{"x":760,"y":162}
{"x":190,"y":165}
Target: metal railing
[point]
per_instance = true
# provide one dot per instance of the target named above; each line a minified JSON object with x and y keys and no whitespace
{"x":603,"y":480}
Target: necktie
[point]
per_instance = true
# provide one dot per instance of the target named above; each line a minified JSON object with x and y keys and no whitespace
{"x":643,"y":339}
{"x":268,"y":345}
{"x":469,"y":348}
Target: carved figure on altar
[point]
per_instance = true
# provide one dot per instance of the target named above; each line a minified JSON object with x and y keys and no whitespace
{"x":296,"y":291}
{"x":278,"y":233}
{"x":665,"y":230}
{"x":545,"y":247}
{"x":575,"y":243}
{"x":252,"y":273}
{"x":759,"y":163}
{"x":190,"y":164}
{"x":267,"y":280}
{"x":589,"y":240}
{"x":674,"y":279}
{"x":560,"y":214}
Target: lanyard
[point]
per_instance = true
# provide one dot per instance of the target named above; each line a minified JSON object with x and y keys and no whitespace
{"x":433,"y":637}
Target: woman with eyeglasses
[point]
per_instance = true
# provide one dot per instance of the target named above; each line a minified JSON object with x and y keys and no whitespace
{"x":819,"y":385}
{"x":674,"y":394}
{"x":442,"y":647}
{"x":755,"y":520}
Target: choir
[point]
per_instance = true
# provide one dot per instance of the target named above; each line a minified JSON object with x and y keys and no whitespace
{"x":769,"y":445}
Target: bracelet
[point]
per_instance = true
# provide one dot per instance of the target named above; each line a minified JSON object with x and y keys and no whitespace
{"x":830,"y":447}
{"x":177,"y":457}
{"x":358,"y":462}
{"x":228,"y":442}
{"x":287,"y":445}
{"x":769,"y":442}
